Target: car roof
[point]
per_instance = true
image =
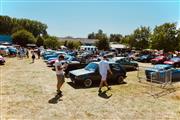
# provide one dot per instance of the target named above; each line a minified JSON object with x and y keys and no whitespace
{"x":118,"y":58}
{"x":110,"y":62}
{"x":162,"y":65}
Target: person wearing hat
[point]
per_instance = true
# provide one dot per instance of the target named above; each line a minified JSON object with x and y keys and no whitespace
{"x":59,"y":67}
{"x":103,"y":70}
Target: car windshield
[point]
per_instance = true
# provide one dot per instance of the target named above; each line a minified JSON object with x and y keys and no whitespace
{"x":91,"y":66}
{"x":161,"y":67}
{"x":144,"y":56}
{"x":175,"y":59}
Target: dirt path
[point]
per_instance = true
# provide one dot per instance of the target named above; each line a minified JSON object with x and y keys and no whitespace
{"x":26,"y":89}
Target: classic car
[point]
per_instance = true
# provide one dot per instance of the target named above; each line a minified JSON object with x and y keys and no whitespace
{"x":2,"y":60}
{"x":161,"y":69}
{"x":90,"y":74}
{"x":126,"y":62}
{"x":54,"y":55}
{"x":145,"y":58}
{"x":173,"y":61}
{"x":159,"y":59}
{"x":68,"y":58}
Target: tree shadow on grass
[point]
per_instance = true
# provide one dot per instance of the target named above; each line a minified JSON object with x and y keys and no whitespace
{"x":104,"y":95}
{"x":55,"y":99}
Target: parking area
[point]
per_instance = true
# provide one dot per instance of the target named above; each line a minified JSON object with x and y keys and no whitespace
{"x":27,"y":92}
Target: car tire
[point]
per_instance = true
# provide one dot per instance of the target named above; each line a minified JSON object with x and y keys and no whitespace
{"x":120,"y":79}
{"x":87,"y":83}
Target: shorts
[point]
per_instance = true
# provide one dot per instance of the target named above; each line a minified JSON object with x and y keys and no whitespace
{"x":60,"y":78}
{"x":103,"y":77}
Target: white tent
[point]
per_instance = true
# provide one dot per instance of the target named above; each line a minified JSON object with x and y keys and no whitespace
{"x":118,"y":46}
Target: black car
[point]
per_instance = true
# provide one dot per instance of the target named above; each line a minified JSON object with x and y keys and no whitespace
{"x":145,"y":58}
{"x":126,"y":63}
{"x":90,"y":74}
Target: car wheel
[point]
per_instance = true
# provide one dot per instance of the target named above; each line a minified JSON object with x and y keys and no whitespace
{"x":120,"y":79}
{"x":87,"y":83}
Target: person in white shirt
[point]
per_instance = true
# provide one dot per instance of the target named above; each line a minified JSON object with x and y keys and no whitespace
{"x":60,"y":73}
{"x":103,"y":70}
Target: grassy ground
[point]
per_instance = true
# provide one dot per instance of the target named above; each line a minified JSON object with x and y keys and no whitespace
{"x":26,"y":89}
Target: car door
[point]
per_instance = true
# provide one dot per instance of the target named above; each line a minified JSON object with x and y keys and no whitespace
{"x":115,"y":70}
{"x":96,"y":77}
{"x":176,"y":75}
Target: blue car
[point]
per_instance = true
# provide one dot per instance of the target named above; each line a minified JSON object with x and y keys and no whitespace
{"x":54,"y":55}
{"x":145,"y":58}
{"x":162,"y":68}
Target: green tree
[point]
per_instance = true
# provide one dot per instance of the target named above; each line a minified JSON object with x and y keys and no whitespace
{"x":165,"y":37}
{"x":10,"y":25}
{"x":102,"y":44}
{"x":23,"y":37}
{"x":73,"y":44}
{"x":40,"y":41}
{"x":129,"y":40}
{"x":141,"y":38}
{"x":116,"y":38}
{"x":51,"y":42}
{"x":178,"y":39}
{"x":91,"y":36}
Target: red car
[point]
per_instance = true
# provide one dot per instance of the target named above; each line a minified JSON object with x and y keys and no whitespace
{"x":2,"y":60}
{"x":159,"y":59}
{"x":173,"y":61}
{"x":51,"y":62}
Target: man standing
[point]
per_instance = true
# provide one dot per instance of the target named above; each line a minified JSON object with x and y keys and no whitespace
{"x":103,"y":70}
{"x":60,"y":73}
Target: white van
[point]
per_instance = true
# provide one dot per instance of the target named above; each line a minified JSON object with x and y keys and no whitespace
{"x":88,"y":48}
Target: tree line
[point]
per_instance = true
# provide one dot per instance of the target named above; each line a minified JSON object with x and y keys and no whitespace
{"x":25,"y":31}
{"x":163,"y":37}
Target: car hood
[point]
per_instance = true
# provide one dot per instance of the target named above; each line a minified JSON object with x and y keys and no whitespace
{"x":133,"y":62}
{"x":156,"y":59}
{"x":169,"y":62}
{"x":152,"y":70}
{"x":80,"y":72}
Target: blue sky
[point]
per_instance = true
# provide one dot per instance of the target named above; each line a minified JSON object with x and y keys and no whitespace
{"x":78,"y":18}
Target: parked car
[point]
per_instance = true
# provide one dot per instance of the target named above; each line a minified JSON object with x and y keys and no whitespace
{"x":173,"y":61}
{"x":145,"y":58}
{"x":4,"y":50}
{"x":2,"y":60}
{"x":126,"y":63}
{"x":90,"y":74}
{"x":74,"y":65}
{"x":159,"y":59}
{"x":47,"y":52}
{"x":162,"y":68}
{"x":54,"y":55}
{"x":68,"y":58}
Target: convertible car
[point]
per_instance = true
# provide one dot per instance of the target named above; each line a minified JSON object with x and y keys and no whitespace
{"x":161,"y":68}
{"x":90,"y":74}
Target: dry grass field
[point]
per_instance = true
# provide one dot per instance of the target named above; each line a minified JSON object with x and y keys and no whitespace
{"x":26,"y":90}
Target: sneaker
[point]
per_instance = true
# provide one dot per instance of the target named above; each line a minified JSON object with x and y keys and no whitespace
{"x":109,"y":88}
{"x":59,"y":92}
